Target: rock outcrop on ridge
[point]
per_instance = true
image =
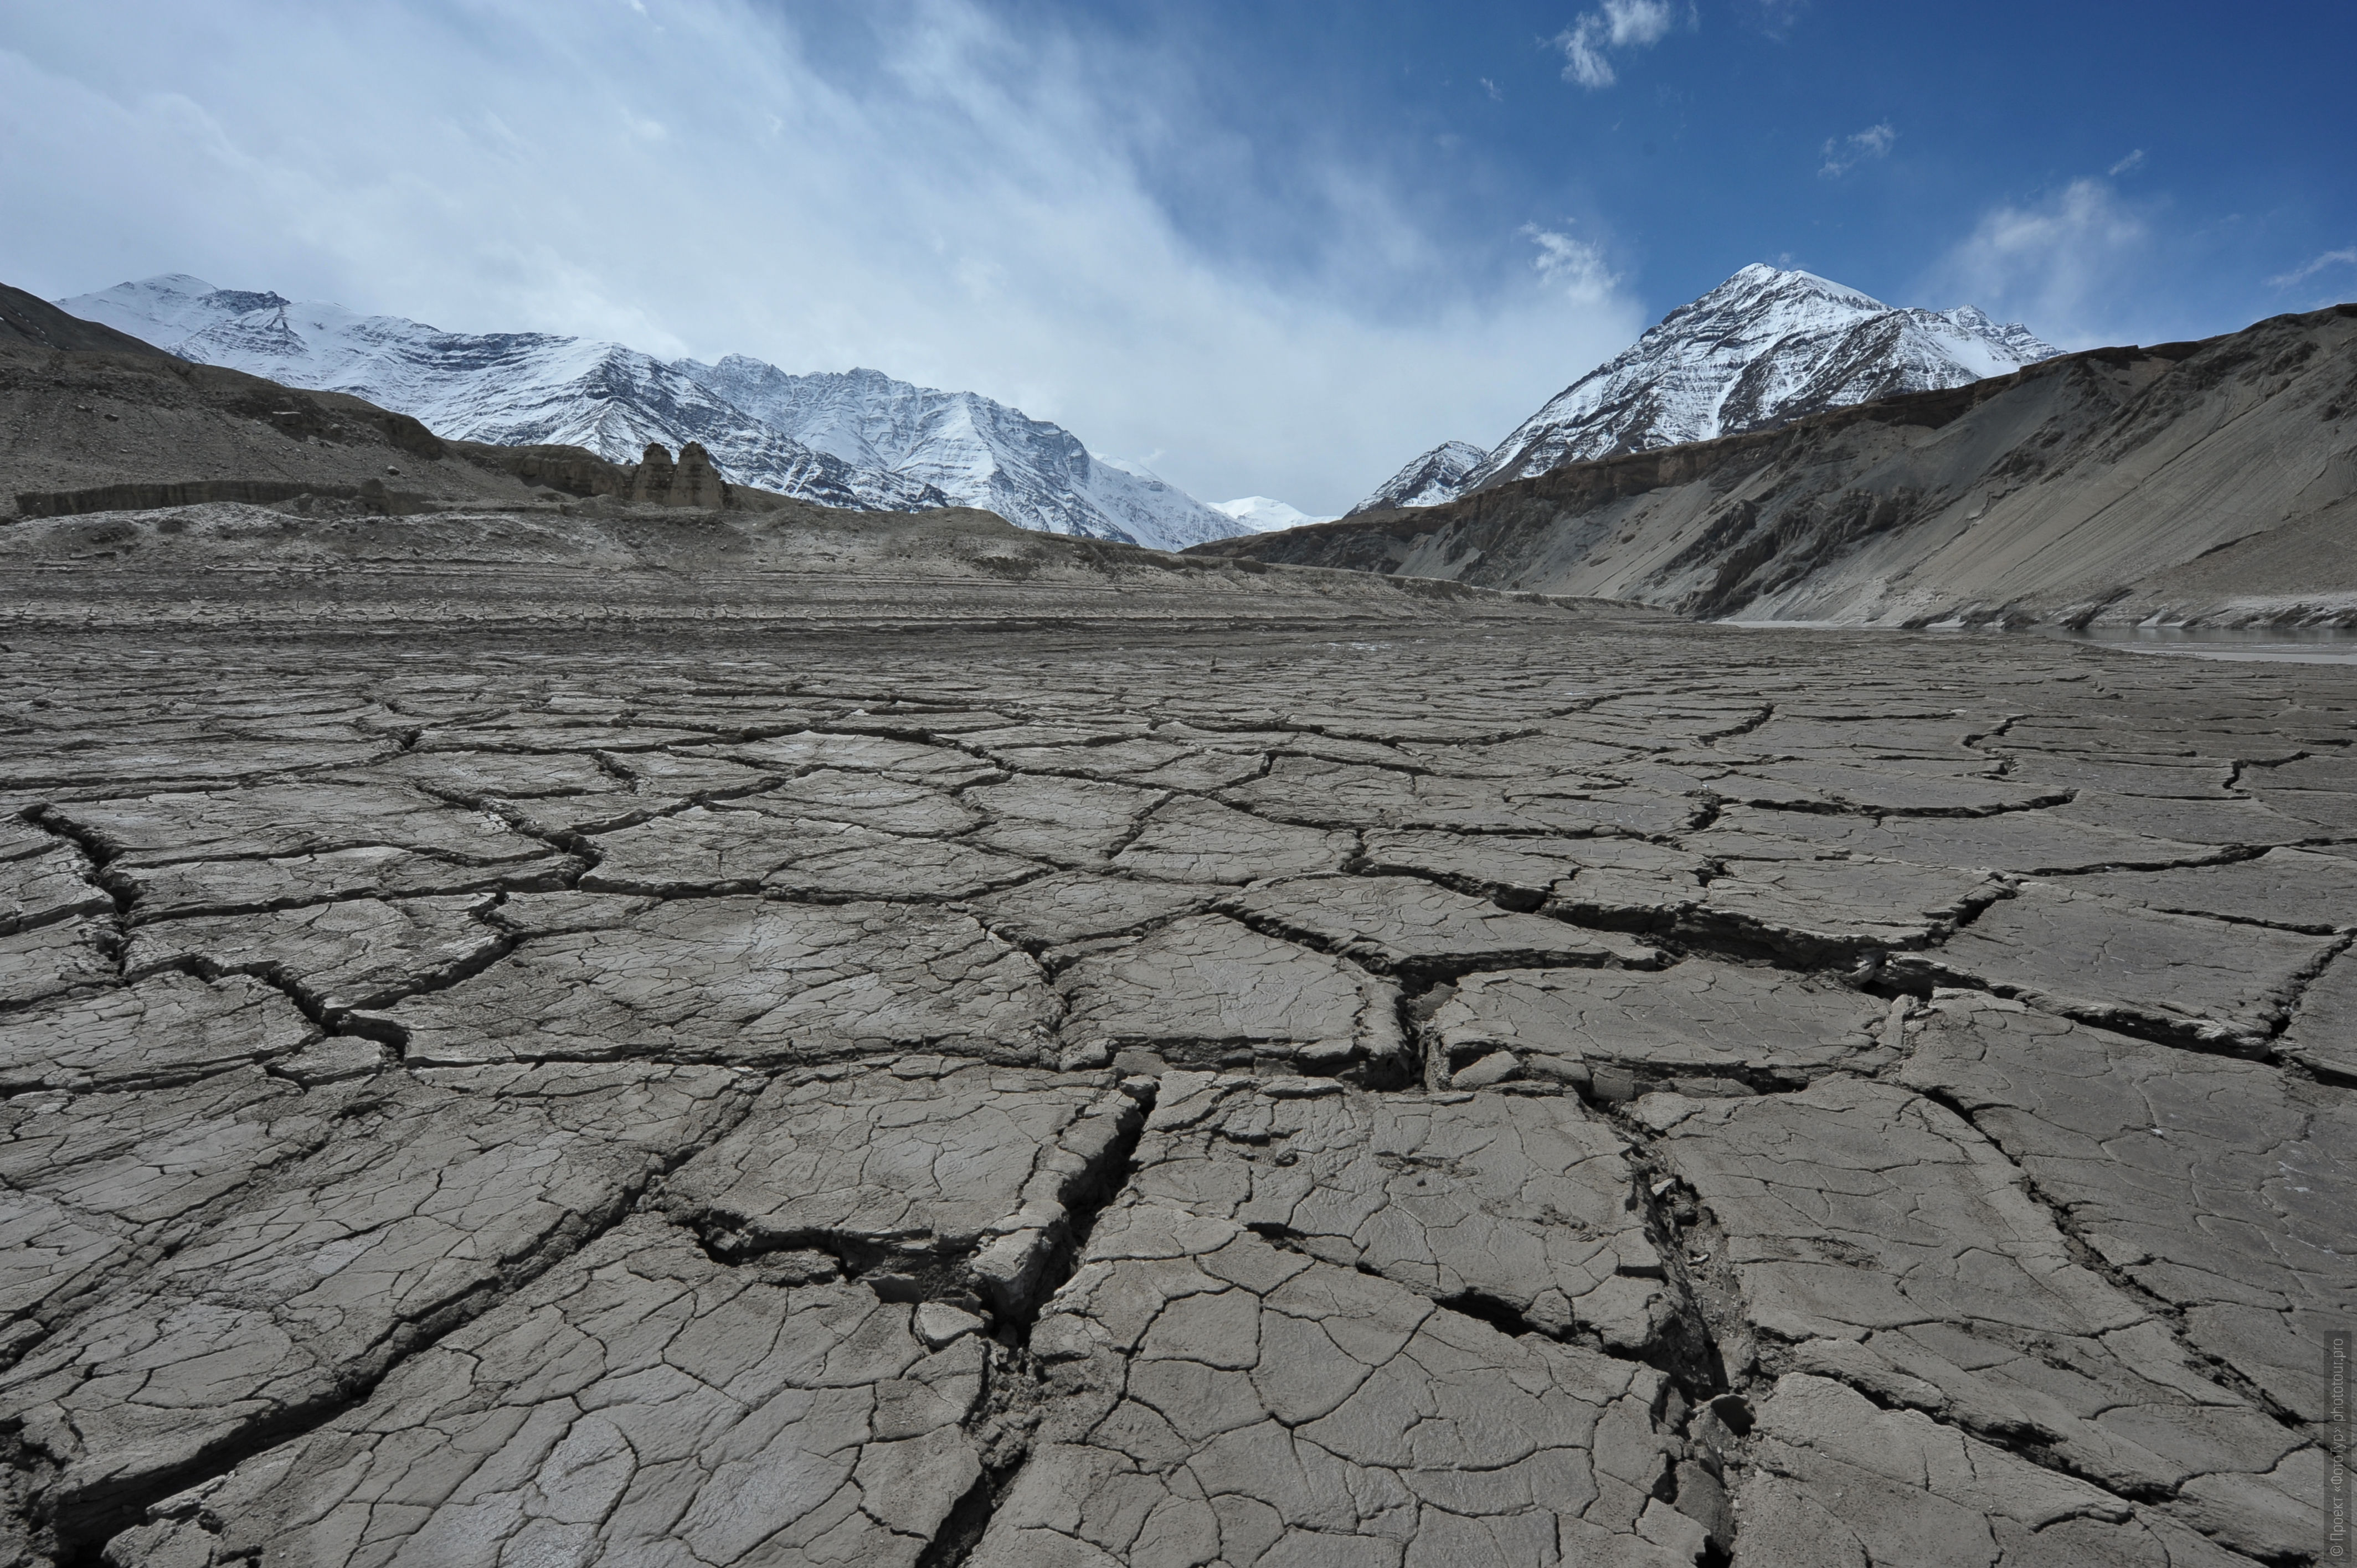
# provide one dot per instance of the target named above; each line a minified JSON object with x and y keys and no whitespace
{"x":2210,"y":482}
{"x":741,"y":1037}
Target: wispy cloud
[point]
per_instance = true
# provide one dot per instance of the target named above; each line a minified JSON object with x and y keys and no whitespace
{"x":2300,"y":274}
{"x":2134,"y":160}
{"x":2060,"y":263}
{"x":1844,"y":153}
{"x":1622,"y":24}
{"x":1491,"y":88}
{"x":1575,"y":266}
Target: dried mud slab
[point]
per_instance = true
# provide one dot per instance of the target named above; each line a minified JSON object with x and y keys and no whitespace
{"x":2326,"y":813}
{"x":1069,"y":821}
{"x":2322,"y":1036}
{"x":940,"y":767}
{"x":2031,"y":843}
{"x":89,"y":1182}
{"x":1495,"y":1202}
{"x":1825,"y":911}
{"x":1208,"y":992}
{"x":745,"y":981}
{"x":479,"y":775}
{"x":1148,"y":764}
{"x":431,"y":1201}
{"x":693,"y":776}
{"x":185,"y":888}
{"x":166,"y":1029}
{"x":763,"y":843}
{"x":41,"y":880}
{"x":2184,"y":779}
{"x":205,"y":763}
{"x":1839,"y":1482}
{"x":1905,"y":788}
{"x":1329,"y":794}
{"x":1071,"y":907}
{"x":1217,"y":1400}
{"x":2240,"y":823}
{"x":907,"y":868}
{"x":2225,"y":1189}
{"x":715,"y":850}
{"x":2114,"y":963}
{"x":282,"y":819}
{"x":524,"y":734}
{"x":928,"y":1179}
{"x":358,"y":952}
{"x":51,"y":959}
{"x":1406,"y":926}
{"x":1875,"y":1238}
{"x":1521,"y":872}
{"x":2288,"y":888}
{"x":1707,"y":1028}
{"x":1191,"y":840}
{"x":887,"y":805}
{"x":641,"y":1403}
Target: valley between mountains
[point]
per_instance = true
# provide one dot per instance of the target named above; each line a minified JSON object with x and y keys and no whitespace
{"x":562,"y":1004}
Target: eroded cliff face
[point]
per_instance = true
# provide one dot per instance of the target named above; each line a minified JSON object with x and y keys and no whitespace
{"x":2212,"y":480}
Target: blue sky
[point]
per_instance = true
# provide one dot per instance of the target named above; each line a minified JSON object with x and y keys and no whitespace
{"x":1273,"y":248}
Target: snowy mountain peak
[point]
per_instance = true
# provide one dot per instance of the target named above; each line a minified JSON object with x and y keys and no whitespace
{"x":1767,"y":345}
{"x":856,"y":438}
{"x":1431,"y":478}
{"x":1760,"y":278}
{"x":1263,"y":515}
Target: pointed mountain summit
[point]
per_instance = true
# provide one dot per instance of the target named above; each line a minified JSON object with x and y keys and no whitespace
{"x":1765,"y":346}
{"x":1437,"y":476}
{"x":857,"y":439}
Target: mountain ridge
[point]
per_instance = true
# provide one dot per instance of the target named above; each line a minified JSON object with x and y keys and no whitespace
{"x":537,"y":388}
{"x":2210,"y":482}
{"x":1767,"y":345}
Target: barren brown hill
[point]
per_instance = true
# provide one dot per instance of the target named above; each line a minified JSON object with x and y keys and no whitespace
{"x":29,"y":319}
{"x":2212,"y":482}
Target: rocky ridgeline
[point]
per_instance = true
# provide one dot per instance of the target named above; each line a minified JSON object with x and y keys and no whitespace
{"x":1251,"y":1096}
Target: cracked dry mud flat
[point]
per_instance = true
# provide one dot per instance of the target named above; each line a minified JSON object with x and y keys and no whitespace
{"x":1629,"y":1094}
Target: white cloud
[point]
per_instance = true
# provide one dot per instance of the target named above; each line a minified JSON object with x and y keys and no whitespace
{"x":1574,"y":265}
{"x":1622,"y":24}
{"x":1491,"y":88}
{"x":2134,"y":160}
{"x":967,"y":209}
{"x":2300,"y":274}
{"x":1844,"y":153}
{"x":2060,"y":265}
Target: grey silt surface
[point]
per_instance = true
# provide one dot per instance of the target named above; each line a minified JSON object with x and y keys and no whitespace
{"x":1144,"y":1092}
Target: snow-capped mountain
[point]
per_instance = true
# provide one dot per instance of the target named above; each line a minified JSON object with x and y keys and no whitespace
{"x":1436,"y":476}
{"x":1764,"y":347}
{"x":860,"y":439}
{"x":983,"y":453}
{"x":1261,"y":515}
